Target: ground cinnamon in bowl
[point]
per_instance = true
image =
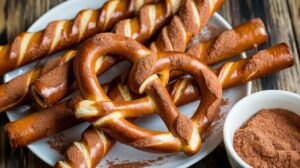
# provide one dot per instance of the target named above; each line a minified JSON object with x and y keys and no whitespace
{"x":271,"y":138}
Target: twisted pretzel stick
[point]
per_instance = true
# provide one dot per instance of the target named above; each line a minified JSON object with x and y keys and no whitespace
{"x":185,"y":13}
{"x":151,"y":19}
{"x":182,"y":91}
{"x":241,"y":38}
{"x":147,"y":63}
{"x":16,"y":91}
{"x":61,"y":34}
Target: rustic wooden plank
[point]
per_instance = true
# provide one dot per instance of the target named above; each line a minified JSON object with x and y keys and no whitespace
{"x":281,"y":29}
{"x":294,"y":8}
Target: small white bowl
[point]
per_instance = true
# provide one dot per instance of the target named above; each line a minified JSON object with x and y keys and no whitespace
{"x":246,"y":108}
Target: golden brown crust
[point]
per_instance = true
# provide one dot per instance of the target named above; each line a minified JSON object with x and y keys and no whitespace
{"x":42,"y":124}
{"x":61,"y":34}
{"x":146,"y":64}
{"x":16,"y":91}
{"x":182,"y":91}
{"x":141,"y":28}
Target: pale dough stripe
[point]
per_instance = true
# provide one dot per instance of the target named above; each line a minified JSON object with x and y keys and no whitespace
{"x":124,"y":92}
{"x":175,"y":5}
{"x":23,"y":46}
{"x":139,"y":4}
{"x":212,"y":4}
{"x":196,"y":13}
{"x":57,"y":35}
{"x":179,"y":90}
{"x":146,"y":82}
{"x":225,"y":71}
{"x":86,"y":16}
{"x":64,"y":164}
{"x":110,"y":10}
{"x":111,"y":116}
{"x":84,"y":151}
{"x":128,"y":28}
{"x":103,"y":139}
{"x":99,"y":63}
{"x":152,"y":17}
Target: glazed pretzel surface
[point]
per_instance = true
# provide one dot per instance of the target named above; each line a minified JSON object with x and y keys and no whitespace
{"x":58,"y":35}
{"x":16,"y":91}
{"x":49,"y":90}
{"x":182,"y":91}
{"x":184,"y":134}
{"x":189,"y":9}
{"x":150,"y":19}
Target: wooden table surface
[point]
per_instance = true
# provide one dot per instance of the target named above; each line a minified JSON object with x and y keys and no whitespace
{"x":282,"y":18}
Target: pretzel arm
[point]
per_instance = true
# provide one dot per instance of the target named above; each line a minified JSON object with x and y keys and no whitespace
{"x":61,"y":34}
{"x":126,"y":109}
{"x":16,"y":91}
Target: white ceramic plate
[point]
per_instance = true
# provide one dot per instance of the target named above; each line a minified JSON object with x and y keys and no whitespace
{"x":121,"y":153}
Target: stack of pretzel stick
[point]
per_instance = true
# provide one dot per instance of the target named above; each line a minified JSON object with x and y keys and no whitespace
{"x":59,"y":35}
{"x":121,"y":102}
{"x":47,"y":91}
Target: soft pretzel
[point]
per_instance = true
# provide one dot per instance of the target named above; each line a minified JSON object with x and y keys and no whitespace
{"x":147,"y":64}
{"x":16,"y":91}
{"x":280,"y":52}
{"x":182,"y":91}
{"x":241,"y":38}
{"x":151,"y":18}
{"x":61,"y":34}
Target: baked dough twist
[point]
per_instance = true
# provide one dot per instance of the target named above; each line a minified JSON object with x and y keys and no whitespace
{"x":184,"y":135}
{"x":226,"y":45}
{"x":58,"y":35}
{"x":41,"y":87}
{"x":16,"y":91}
{"x":184,"y":90}
{"x":151,"y":18}
{"x":280,"y":57}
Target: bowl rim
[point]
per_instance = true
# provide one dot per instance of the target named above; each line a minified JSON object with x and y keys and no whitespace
{"x":227,"y":142}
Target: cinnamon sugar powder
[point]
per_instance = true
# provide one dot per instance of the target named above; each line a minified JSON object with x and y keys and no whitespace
{"x":270,"y":139}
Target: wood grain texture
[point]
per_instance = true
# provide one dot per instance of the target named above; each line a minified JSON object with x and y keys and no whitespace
{"x":282,"y":18}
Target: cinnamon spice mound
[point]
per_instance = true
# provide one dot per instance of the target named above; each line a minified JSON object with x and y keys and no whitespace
{"x":271,"y":138}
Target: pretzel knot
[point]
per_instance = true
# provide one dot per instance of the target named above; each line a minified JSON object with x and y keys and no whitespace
{"x":149,"y":74}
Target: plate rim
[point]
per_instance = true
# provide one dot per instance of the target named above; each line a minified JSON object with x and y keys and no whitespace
{"x":70,"y":2}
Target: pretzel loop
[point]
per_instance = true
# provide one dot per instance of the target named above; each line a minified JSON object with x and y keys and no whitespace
{"x":184,"y":135}
{"x":177,"y":123}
